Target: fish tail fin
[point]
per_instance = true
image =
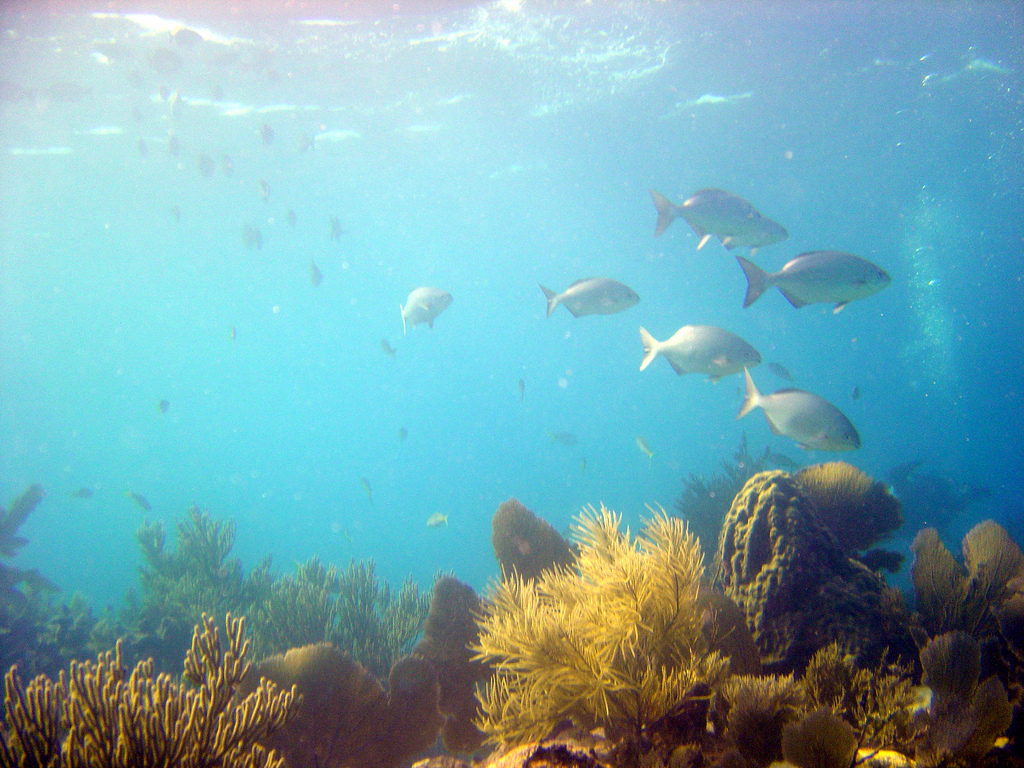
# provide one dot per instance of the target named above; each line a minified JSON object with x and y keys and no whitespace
{"x":752,"y":397}
{"x":651,"y":347}
{"x":757,"y":281}
{"x":402,"y":310}
{"x":666,"y":212}
{"x":552,"y":298}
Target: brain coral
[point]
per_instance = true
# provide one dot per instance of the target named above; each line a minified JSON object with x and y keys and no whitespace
{"x":782,"y":565}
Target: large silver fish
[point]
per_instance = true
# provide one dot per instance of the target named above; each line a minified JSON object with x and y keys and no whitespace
{"x":810,"y":420}
{"x":423,"y":305}
{"x":817,"y":276}
{"x":592,"y":296}
{"x":721,"y":214}
{"x":701,"y":349}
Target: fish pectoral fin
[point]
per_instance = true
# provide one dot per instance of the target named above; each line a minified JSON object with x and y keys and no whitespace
{"x":704,"y":237}
{"x":796,"y":301}
{"x":839,"y":307}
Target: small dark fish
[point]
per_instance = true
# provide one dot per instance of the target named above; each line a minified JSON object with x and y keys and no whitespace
{"x":165,"y":62}
{"x":143,"y":150}
{"x":402,"y":433}
{"x":369,"y":491}
{"x":855,"y":394}
{"x":315,"y":275}
{"x":267,"y":134}
{"x":186,"y":38}
{"x":291,"y":218}
{"x":387,"y":348}
{"x":522,"y":390}
{"x":206,"y":166}
{"x":252,"y":238}
{"x":176,"y":213}
{"x":163,"y":406}
{"x":563,"y":438}
{"x":140,"y":500}
{"x":227,"y":165}
{"x":780,"y":370}
{"x":234,"y":333}
{"x":173,"y":146}
{"x":82,"y":493}
{"x":336,"y":230}
{"x":264,"y":190}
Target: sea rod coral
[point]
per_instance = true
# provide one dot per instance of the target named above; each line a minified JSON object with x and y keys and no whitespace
{"x":98,"y":716}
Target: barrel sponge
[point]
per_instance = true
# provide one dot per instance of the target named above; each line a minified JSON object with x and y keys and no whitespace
{"x":798,"y":590}
{"x":857,"y":509}
{"x":526,"y":544}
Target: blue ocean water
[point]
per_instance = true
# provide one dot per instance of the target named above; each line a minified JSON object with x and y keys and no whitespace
{"x":483,"y":149}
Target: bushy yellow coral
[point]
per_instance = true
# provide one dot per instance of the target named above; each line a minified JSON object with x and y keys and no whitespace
{"x":613,"y":641}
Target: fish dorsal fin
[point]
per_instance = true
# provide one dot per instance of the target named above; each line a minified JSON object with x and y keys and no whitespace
{"x":794,"y":300}
{"x":581,"y":281}
{"x":789,"y":391}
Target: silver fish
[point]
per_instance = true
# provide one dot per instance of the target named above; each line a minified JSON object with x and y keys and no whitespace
{"x":817,"y":276}
{"x":592,"y":296}
{"x":721,"y":214}
{"x":810,"y":420}
{"x":701,"y":349}
{"x":423,"y":305}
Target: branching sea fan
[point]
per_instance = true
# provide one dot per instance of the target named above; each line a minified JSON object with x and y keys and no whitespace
{"x":613,"y":641}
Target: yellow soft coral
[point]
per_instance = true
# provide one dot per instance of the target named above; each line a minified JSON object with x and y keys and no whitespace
{"x":613,"y":641}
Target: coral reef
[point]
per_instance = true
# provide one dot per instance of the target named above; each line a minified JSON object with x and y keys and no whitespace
{"x":784,"y":568}
{"x":177,"y":587}
{"x":965,"y":716}
{"x":931,"y":499}
{"x":36,"y":632}
{"x":297,"y":610}
{"x":858,"y":510}
{"x":705,"y":502}
{"x":346,"y":718}
{"x":757,"y":709}
{"x":876,"y":702}
{"x":449,"y":633}
{"x":615,"y":642}
{"x":968,"y":597}
{"x":99,"y":716}
{"x":820,"y":740}
{"x":524,"y":543}
{"x":374,"y":624}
